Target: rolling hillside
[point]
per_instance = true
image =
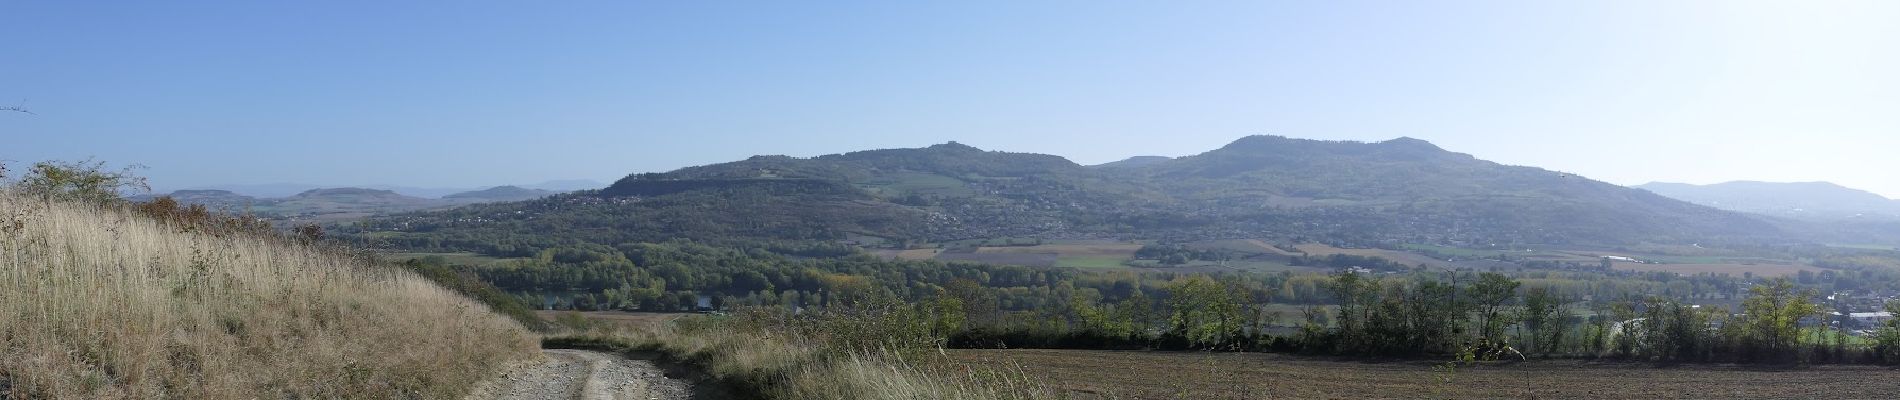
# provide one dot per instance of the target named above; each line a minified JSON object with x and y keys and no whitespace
{"x":332,"y":205}
{"x":1398,"y":191}
{"x":499,"y":193}
{"x":1418,"y":188}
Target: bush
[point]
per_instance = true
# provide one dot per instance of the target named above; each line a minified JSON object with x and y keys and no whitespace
{"x":80,"y":181}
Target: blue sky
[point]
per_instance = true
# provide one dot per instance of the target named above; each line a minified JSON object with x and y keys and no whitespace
{"x":454,"y":94}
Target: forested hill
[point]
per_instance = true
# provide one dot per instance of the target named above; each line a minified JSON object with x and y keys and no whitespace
{"x":1428,"y":189}
{"x":1132,"y":162}
{"x":1398,"y":191}
{"x":949,"y":159}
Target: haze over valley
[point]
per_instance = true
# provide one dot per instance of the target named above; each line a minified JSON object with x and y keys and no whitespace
{"x":955,"y":200}
{"x":1804,"y":200}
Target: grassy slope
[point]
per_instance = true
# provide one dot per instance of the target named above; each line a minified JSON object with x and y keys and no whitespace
{"x":104,"y":304}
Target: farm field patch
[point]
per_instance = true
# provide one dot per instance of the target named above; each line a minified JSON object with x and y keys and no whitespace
{"x":1735,"y":269}
{"x":1085,"y":255}
{"x":1024,"y":259}
{"x":1407,"y":258}
{"x":1250,"y":265}
{"x":1090,"y":374}
{"x":1090,"y":261}
{"x":907,"y":255}
{"x":1246,"y":246}
{"x":1457,"y":251}
{"x":1106,"y":249}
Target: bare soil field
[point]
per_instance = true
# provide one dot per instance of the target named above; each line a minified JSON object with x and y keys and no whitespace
{"x":1077,"y":250}
{"x":1566,"y":256}
{"x":1025,"y":259}
{"x":1088,"y":374}
{"x":1255,"y":246}
{"x":907,"y":255}
{"x":1079,"y":255}
{"x":1729,"y":269}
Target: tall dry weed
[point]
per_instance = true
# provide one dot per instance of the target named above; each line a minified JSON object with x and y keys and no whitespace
{"x":801,"y":358}
{"x":102,"y":302}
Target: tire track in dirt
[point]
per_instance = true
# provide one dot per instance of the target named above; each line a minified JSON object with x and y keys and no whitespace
{"x":582,"y":375}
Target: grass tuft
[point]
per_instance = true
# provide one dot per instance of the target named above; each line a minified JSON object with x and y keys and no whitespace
{"x":767,"y":357}
{"x":101,"y":302}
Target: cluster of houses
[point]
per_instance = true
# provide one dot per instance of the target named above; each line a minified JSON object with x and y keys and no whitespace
{"x":1860,"y":312}
{"x":1851,"y":313}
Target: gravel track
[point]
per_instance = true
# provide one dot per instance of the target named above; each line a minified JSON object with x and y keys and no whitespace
{"x":586,"y":375}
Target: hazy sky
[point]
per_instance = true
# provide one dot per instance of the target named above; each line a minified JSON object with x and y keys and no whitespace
{"x":478,"y":93}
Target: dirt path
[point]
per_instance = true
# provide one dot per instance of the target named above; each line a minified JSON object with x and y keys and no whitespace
{"x":583,"y":375}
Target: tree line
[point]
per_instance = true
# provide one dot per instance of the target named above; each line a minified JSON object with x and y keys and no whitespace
{"x":1420,"y":313}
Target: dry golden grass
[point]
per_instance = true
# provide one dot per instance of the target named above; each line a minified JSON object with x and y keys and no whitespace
{"x":102,"y":304}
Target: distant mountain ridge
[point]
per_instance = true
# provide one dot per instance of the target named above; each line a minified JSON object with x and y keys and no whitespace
{"x":1419,"y":184}
{"x":1384,"y":193}
{"x":1806,"y":200}
{"x":500,"y":193}
{"x":321,"y":205}
{"x":273,"y":190}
